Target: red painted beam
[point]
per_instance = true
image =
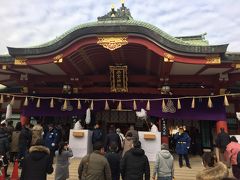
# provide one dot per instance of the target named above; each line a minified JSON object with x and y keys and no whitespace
{"x":45,"y":59}
{"x":66,"y":51}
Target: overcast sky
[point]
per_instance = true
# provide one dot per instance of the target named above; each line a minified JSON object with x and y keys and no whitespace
{"x":31,"y":22}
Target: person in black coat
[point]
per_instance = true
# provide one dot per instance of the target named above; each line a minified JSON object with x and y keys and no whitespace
{"x":25,"y":139}
{"x":134,"y":164}
{"x":114,"y":161}
{"x":37,"y":164}
{"x":4,"y":147}
{"x":222,"y":140}
{"x":112,"y":137}
{"x":97,"y":135}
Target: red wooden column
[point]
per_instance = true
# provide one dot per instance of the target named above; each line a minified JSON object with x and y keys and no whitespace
{"x":221,"y":124}
{"x":24,"y":120}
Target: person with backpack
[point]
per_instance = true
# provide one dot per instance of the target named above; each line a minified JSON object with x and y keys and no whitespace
{"x":97,"y":135}
{"x":233,"y":154}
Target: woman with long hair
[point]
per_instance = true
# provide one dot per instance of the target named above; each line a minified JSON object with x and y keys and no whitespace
{"x":62,"y":161}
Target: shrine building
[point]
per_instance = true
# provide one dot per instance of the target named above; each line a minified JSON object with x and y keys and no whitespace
{"x":118,"y":65}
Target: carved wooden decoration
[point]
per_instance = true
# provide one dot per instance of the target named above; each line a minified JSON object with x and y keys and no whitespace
{"x":20,"y":61}
{"x":213,"y":59}
{"x":118,"y":78}
{"x":112,"y":42}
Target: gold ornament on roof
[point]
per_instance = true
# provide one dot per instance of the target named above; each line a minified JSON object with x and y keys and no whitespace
{"x":20,"y":61}
{"x":236,"y":66}
{"x":58,"y":58}
{"x":112,"y":42}
{"x":213,"y":59}
{"x":168,"y":57}
{"x":113,"y":5}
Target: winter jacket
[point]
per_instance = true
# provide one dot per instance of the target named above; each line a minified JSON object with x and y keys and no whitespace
{"x":97,"y":135}
{"x":25,"y":138}
{"x":231,"y":152}
{"x":62,"y":164}
{"x":114,"y":162}
{"x":222,"y":141}
{"x":182,"y":143}
{"x":37,"y":132}
{"x":4,"y":142}
{"x":127,"y":144}
{"x":164,"y":165}
{"x":97,"y":168}
{"x":36,"y":164}
{"x":51,"y":139}
{"x":218,"y":172}
{"x":15,"y":141}
{"x":112,"y":137}
{"x":134,"y":165}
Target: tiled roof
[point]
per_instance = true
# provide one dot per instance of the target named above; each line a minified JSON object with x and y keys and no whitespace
{"x":122,"y":22}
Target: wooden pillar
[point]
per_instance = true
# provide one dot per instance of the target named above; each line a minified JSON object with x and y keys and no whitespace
{"x":24,"y":119}
{"x":221,"y":124}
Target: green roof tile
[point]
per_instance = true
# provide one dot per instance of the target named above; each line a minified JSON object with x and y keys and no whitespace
{"x":124,"y":22}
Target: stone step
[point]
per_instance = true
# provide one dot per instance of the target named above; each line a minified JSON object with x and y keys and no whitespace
{"x":183,"y":173}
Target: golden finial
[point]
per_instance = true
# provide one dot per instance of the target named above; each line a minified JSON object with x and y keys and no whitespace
{"x":113,"y":5}
{"x":122,"y":1}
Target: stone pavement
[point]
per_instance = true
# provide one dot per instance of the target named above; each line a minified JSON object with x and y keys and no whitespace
{"x":183,"y":173}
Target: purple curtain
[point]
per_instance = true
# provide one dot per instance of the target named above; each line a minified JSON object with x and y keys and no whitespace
{"x":200,"y":112}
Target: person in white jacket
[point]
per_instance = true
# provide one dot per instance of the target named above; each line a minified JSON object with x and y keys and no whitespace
{"x":154,"y":128}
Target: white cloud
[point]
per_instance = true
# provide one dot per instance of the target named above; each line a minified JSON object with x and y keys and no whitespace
{"x":26,"y":22}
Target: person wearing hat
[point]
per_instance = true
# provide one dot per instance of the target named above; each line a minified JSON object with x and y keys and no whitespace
{"x":182,"y":146}
{"x":164,"y":164}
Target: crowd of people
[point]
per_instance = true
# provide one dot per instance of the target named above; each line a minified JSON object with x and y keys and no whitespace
{"x":30,"y":144}
{"x":114,"y":155}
